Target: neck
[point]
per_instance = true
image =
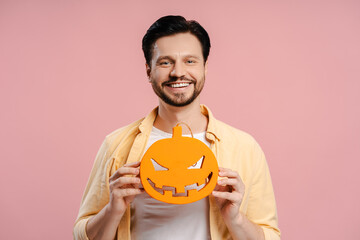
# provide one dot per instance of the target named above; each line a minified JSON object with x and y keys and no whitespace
{"x":168,"y":116}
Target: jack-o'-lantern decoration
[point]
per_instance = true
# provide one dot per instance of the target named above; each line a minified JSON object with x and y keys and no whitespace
{"x":178,"y":170}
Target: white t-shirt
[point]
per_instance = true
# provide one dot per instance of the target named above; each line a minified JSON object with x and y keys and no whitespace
{"x":155,"y":220}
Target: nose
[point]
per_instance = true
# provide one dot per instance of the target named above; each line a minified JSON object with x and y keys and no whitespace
{"x":178,"y":70}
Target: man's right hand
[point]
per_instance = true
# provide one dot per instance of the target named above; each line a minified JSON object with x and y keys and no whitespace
{"x":124,"y":186}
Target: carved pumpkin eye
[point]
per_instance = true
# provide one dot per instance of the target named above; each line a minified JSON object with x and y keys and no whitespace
{"x":198,"y":164}
{"x":158,"y":167}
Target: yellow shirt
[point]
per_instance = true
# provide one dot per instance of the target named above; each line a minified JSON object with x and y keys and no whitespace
{"x":233,"y":149}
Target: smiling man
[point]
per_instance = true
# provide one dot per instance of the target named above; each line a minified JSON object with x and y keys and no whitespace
{"x":177,"y":84}
{"x":115,"y":206}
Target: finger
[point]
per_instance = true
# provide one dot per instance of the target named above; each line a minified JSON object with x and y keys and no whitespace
{"x":127,"y":166}
{"x":122,"y":181}
{"x":228,"y":181}
{"x":233,"y":184}
{"x":124,"y":171}
{"x":220,"y":188}
{"x":225,"y":172}
{"x":128,"y":171}
{"x":232,"y":197}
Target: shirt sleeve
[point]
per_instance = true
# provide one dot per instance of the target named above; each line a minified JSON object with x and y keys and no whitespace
{"x":96,"y":194}
{"x":262,"y":206}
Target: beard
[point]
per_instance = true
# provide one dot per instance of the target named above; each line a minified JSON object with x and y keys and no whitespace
{"x":178,"y":99}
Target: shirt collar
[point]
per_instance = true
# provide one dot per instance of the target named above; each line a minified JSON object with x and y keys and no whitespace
{"x":212,"y":132}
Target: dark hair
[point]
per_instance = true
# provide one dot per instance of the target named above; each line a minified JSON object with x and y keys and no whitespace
{"x":170,"y":25}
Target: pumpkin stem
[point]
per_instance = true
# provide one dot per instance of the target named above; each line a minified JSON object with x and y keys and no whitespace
{"x":186,"y":126}
{"x":177,"y":132}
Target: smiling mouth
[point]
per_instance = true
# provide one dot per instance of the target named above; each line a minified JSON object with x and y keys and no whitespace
{"x":188,"y":188}
{"x":178,"y":85}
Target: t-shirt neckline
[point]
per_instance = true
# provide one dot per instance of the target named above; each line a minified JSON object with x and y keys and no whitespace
{"x":169,"y":135}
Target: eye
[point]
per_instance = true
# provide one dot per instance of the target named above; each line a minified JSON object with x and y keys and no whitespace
{"x":165,"y":63}
{"x":158,"y":167}
{"x":198,"y":164}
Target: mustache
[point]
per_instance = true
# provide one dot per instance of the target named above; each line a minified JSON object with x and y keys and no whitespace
{"x":174,"y":79}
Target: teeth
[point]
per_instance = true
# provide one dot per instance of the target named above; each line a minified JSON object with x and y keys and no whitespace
{"x":178,"y":85}
{"x":201,"y":182}
{"x":191,"y":192}
{"x":180,"y":189}
{"x":158,"y":185}
{"x":168,"y":193}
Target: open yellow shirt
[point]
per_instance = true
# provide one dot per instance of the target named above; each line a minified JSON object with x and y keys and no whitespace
{"x":233,"y":149}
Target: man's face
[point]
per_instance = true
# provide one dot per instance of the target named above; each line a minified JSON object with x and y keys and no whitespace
{"x":177,"y":71}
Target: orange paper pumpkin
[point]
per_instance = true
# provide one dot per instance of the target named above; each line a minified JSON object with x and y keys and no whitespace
{"x":171,"y":166}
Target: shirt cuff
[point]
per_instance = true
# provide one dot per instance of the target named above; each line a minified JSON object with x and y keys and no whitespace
{"x":270,"y":234}
{"x":80,"y":229}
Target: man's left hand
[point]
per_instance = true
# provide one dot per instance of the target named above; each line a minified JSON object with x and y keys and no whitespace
{"x":228,"y":193}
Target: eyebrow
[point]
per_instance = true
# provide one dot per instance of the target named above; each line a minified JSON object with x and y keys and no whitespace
{"x":193,"y":56}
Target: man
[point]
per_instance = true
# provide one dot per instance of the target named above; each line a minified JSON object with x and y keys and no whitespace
{"x":115,"y":206}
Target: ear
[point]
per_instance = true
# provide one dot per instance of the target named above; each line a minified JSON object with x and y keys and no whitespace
{"x":205,"y":67}
{"x":148,"y":71}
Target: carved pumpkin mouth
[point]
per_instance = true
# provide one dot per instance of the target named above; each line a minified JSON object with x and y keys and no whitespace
{"x":189,"y":189}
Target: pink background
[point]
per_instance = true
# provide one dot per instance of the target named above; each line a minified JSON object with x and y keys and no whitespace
{"x":285,"y":71}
